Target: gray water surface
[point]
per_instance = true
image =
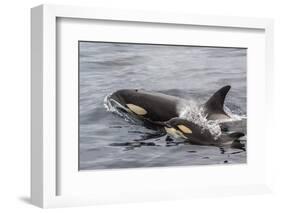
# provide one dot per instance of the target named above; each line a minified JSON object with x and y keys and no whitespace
{"x":108,"y":141}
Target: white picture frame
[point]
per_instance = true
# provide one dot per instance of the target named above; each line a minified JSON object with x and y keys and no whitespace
{"x":45,"y":168}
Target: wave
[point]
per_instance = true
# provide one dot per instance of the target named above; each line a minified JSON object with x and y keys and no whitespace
{"x":115,"y":107}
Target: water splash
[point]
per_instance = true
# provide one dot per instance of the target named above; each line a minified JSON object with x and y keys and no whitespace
{"x":113,"y":106}
{"x":107,"y":104}
{"x":233,"y":116}
{"x":193,"y":112}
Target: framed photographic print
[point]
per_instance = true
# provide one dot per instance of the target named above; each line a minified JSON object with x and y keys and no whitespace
{"x":132,"y":106}
{"x":162,"y":107}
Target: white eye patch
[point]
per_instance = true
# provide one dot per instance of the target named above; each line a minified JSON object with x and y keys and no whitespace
{"x":184,"y":129}
{"x":175,"y":133}
{"x":136,"y":109}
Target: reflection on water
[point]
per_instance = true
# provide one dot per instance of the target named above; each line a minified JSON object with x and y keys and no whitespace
{"x":108,"y":140}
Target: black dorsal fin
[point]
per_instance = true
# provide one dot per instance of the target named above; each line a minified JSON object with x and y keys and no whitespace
{"x":215,"y":104}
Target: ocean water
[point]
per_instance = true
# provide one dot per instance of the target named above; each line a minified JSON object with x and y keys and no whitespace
{"x":110,"y":141}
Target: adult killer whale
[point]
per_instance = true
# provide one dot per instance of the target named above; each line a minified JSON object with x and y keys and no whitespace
{"x":195,"y":134}
{"x":158,"y":108}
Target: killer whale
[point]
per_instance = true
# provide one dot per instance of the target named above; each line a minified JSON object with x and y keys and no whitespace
{"x":195,"y":134}
{"x":158,"y":108}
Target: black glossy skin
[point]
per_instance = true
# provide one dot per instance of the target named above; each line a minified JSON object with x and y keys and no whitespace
{"x":202,"y":136}
{"x":198,"y":136}
{"x":214,"y":106}
{"x":159,"y":107}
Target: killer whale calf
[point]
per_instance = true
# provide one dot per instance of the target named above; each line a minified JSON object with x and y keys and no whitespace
{"x":157,"y":108}
{"x":195,"y":134}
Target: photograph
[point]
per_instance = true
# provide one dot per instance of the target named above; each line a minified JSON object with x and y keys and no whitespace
{"x":160,"y":105}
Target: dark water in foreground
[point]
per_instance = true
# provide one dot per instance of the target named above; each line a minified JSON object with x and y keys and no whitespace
{"x":107,"y":140}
